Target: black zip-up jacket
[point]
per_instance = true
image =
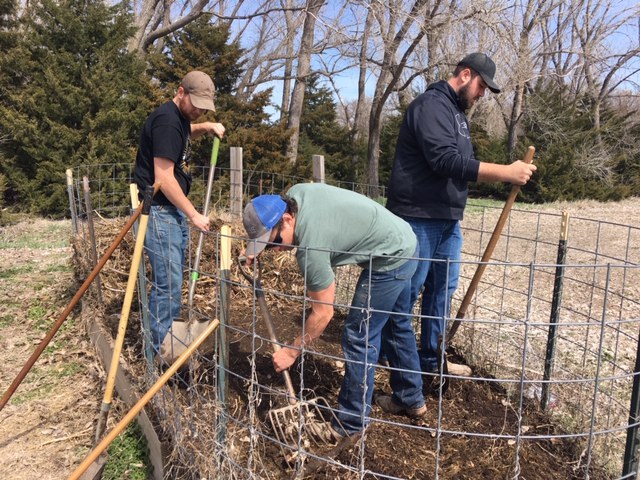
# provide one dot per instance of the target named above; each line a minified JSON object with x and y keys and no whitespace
{"x":434,"y":158}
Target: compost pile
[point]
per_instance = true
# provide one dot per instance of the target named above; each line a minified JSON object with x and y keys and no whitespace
{"x":392,"y":446}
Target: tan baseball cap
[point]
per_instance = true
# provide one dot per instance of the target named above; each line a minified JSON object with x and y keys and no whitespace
{"x":200,"y":88}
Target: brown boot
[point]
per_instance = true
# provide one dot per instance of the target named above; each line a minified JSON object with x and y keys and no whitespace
{"x":387,"y":404}
{"x":458,"y":370}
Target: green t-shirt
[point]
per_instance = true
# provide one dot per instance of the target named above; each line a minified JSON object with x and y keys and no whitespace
{"x":340,"y":227}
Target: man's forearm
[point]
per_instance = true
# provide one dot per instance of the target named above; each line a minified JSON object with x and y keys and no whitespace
{"x":174,"y":194}
{"x":492,"y":172}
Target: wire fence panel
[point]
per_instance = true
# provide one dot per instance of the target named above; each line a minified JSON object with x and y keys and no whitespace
{"x":489,"y":424}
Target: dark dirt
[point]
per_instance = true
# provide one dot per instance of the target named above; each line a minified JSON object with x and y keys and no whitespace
{"x":461,"y":437}
{"x":392,"y":448}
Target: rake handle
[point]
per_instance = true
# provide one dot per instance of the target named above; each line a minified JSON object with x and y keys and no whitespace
{"x":137,"y":408}
{"x":495,"y":236}
{"x":266,"y":315}
{"x":274,"y":341}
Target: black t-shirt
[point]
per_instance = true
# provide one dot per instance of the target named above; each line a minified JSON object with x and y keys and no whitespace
{"x":165,"y":133}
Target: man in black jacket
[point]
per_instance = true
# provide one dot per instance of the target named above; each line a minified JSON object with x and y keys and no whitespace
{"x":433,"y":164}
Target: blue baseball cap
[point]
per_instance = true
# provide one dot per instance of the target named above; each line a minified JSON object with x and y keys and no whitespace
{"x":260,"y":216}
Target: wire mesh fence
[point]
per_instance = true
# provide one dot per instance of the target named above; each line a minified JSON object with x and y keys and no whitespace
{"x":552,"y":346}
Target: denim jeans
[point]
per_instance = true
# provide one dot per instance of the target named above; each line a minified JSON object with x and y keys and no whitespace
{"x":165,"y":243}
{"x":379,"y":317}
{"x":438,"y":241}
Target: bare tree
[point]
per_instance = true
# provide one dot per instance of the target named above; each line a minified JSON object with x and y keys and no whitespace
{"x":604,"y":61}
{"x":400,"y":34}
{"x":302,"y":72}
{"x":288,"y":43}
{"x":593,"y":53}
{"x":529,"y":22}
{"x":153,"y":20}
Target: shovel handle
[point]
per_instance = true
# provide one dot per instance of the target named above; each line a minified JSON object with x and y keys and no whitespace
{"x":495,"y":236}
{"x":264,"y":309}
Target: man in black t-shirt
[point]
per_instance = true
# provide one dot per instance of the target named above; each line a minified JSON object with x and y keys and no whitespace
{"x":164,"y":156}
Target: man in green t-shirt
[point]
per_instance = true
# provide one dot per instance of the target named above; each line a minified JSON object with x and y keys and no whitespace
{"x":330,"y":227}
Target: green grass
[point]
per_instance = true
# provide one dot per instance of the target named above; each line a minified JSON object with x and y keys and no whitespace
{"x":128,"y":457}
{"x":37,"y":316}
{"x":47,"y":381}
{"x":42,"y":390}
{"x":478,"y":205}
{"x":15,"y":272}
{"x":6,"y":320}
{"x":55,"y":235}
{"x":63,"y":267}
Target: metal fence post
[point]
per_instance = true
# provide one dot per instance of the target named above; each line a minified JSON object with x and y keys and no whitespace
{"x":555,"y":311}
{"x":225,"y":307}
{"x":630,"y":461}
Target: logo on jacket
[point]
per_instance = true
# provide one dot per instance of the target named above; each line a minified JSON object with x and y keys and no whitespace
{"x":463,"y":128}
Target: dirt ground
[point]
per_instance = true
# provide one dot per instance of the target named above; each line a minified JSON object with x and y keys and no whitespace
{"x":47,"y":428}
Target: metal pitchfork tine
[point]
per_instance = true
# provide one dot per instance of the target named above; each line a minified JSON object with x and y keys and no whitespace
{"x":284,"y":421}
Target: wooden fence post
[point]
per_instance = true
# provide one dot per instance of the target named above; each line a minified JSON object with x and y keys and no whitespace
{"x":236,"y":181}
{"x":92,"y":234}
{"x":318,"y":168}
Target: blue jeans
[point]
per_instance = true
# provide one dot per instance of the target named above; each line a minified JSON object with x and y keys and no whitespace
{"x":438,"y":241}
{"x":379,"y":317}
{"x":165,"y":243}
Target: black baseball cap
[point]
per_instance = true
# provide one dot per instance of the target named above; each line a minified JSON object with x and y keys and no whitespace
{"x":485,"y":67}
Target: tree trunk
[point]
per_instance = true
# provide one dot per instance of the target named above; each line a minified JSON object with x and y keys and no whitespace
{"x":304,"y":64}
{"x":373,"y":147}
{"x":288,"y":62}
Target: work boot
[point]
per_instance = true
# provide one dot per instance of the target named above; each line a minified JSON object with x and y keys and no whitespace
{"x":387,"y":404}
{"x":458,"y":370}
{"x":324,"y":431}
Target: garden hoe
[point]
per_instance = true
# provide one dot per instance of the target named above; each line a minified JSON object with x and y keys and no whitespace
{"x":96,"y":468}
{"x":300,"y":420}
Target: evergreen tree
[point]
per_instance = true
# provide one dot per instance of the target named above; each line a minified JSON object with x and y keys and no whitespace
{"x":321,"y":134}
{"x":8,"y":40}
{"x":574,"y":160}
{"x":8,"y":24}
{"x":75,"y":97}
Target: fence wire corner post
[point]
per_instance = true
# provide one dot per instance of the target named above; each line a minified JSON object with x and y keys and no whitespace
{"x":630,"y":461}
{"x":555,"y":311}
{"x":72,"y":202}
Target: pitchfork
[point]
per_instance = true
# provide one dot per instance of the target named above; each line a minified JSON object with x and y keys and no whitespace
{"x":306,"y":413}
